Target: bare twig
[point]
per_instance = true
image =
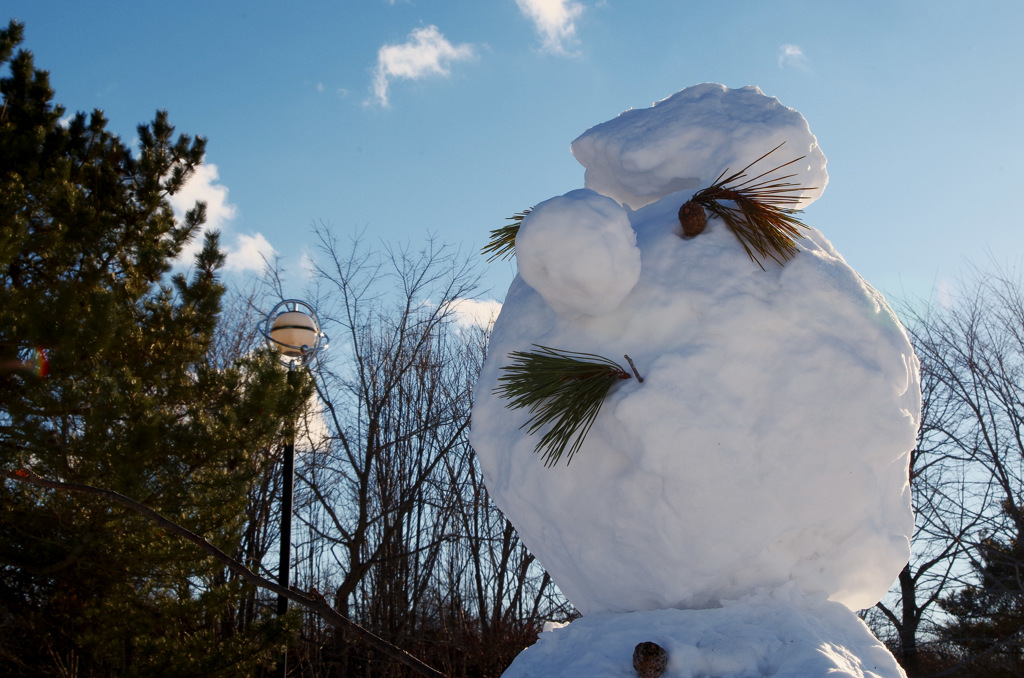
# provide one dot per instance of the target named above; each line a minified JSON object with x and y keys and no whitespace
{"x":633,"y":367}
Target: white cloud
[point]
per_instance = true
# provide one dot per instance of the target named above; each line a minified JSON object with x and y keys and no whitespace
{"x":474,"y":313}
{"x":792,"y":56}
{"x":250,"y":253}
{"x":425,"y":53}
{"x":314,"y":432}
{"x":555,"y":21}
{"x":204,"y":186}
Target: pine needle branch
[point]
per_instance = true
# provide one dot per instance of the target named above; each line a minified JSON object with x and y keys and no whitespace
{"x":503,"y":240}
{"x":762,"y":213}
{"x":562,"y":388}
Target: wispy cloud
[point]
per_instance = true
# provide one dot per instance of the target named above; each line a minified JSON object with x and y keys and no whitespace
{"x":307,"y":266}
{"x":425,"y":53}
{"x":791,"y":56}
{"x":944,"y":294}
{"x":555,"y":21}
{"x":244,"y":252}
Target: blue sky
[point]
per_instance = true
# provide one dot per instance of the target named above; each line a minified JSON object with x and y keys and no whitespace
{"x":407,"y":118}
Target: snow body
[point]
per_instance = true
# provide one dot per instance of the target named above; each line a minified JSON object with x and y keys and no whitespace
{"x":768,"y":444}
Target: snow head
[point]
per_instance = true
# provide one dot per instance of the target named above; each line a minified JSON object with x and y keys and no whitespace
{"x":684,"y":142}
{"x":769,"y":440}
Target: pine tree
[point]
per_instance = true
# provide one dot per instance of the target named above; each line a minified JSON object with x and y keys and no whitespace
{"x":986,"y":619}
{"x":106,"y":379}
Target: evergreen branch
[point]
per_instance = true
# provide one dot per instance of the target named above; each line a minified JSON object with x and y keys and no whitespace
{"x":503,"y":240}
{"x":562,"y":388}
{"x":313,"y":601}
{"x":762,"y":214}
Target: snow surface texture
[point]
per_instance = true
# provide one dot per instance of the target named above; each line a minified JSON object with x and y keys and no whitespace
{"x":579,"y":251}
{"x":769,"y":441}
{"x":760,"y":635}
{"x":685,"y":141}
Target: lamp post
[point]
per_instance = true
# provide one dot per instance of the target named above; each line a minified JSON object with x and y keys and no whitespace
{"x":293,"y":330}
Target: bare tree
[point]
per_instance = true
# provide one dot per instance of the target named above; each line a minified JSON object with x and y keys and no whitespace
{"x":968,"y":481}
{"x":394,"y":519}
{"x":396,"y":407}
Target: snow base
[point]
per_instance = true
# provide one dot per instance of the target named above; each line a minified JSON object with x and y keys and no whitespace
{"x":760,"y":635}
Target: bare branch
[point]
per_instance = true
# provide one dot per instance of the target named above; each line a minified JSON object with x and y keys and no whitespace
{"x":313,"y":601}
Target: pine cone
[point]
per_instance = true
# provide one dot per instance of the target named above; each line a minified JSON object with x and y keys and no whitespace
{"x":691,"y":216}
{"x":649,"y":660}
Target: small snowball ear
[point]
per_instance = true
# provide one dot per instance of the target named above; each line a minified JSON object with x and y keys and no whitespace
{"x":578,"y":251}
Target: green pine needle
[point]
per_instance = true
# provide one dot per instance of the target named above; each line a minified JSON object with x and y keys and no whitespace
{"x":503,"y":240}
{"x":761,"y":214}
{"x":561,"y":388}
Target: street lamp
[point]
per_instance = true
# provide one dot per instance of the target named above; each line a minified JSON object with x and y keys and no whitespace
{"x":293,"y":330}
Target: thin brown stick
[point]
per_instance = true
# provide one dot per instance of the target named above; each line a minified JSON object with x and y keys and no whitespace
{"x":313,"y":601}
{"x":633,"y":367}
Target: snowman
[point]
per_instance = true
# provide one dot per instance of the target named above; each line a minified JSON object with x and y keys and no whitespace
{"x":695,"y":413}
